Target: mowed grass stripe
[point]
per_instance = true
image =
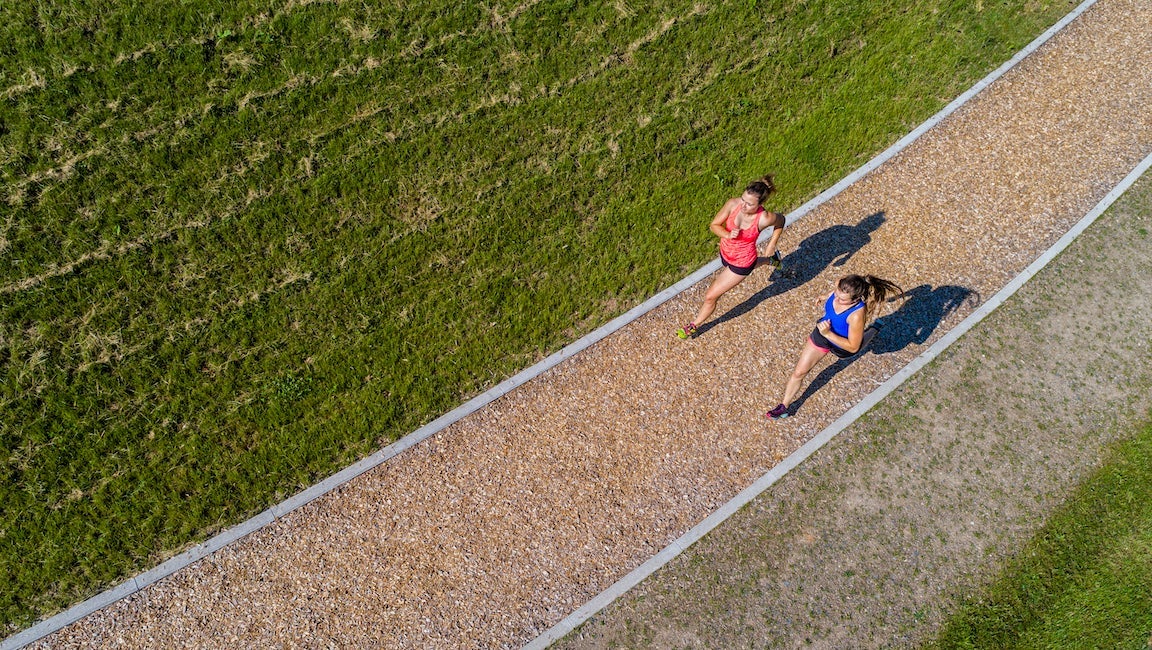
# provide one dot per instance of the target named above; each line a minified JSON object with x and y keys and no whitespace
{"x":306,"y":229}
{"x":182,"y":63}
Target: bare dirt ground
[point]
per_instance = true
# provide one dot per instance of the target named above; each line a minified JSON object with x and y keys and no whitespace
{"x":876,"y":538}
{"x":497,"y":527}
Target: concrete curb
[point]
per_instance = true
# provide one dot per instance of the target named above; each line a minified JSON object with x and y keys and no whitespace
{"x":271,"y":515}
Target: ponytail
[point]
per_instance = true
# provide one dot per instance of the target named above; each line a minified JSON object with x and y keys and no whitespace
{"x":763,"y":187}
{"x":872,"y":290}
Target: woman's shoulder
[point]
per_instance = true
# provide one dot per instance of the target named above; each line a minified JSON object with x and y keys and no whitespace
{"x":726,"y":210}
{"x":776,"y":218}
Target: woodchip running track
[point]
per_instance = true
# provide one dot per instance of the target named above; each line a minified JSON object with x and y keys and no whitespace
{"x":493,"y":529}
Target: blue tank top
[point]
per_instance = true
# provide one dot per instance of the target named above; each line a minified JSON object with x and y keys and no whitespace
{"x":839,"y":321}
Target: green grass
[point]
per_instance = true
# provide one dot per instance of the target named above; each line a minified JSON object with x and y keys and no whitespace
{"x":1085,"y":581}
{"x":243,"y":244}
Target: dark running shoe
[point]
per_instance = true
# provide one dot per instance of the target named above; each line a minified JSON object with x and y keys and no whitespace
{"x":778,"y":413}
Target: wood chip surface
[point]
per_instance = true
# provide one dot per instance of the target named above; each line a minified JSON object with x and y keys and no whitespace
{"x":493,"y":530}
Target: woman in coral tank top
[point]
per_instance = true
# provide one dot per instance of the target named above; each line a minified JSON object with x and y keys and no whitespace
{"x":738,"y":224}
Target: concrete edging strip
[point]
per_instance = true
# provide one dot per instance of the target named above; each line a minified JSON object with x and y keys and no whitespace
{"x":272,"y":514}
{"x":730,"y":508}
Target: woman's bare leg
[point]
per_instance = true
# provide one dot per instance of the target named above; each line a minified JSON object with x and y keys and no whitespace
{"x":721,"y":285}
{"x":809,"y":356}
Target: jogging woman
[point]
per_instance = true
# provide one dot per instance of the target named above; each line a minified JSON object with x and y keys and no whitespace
{"x":738,"y":225}
{"x":843,"y":330}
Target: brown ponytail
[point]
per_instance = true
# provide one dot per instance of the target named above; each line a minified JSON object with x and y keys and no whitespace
{"x":872,"y":290}
{"x":762,"y":188}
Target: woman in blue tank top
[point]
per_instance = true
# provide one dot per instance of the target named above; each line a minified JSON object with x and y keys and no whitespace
{"x":843,"y":330}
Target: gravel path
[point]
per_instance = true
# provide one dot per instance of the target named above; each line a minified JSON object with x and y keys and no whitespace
{"x":494,"y":529}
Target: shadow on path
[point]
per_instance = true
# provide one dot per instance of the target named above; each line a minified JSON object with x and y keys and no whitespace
{"x":922,"y":311}
{"x":832,"y":246}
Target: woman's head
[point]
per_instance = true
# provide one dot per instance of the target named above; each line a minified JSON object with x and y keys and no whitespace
{"x":869,"y":288}
{"x":855,"y":286}
{"x":760,"y":189}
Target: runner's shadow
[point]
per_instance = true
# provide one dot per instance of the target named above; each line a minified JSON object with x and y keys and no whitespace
{"x":922,"y":311}
{"x":833,"y":246}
